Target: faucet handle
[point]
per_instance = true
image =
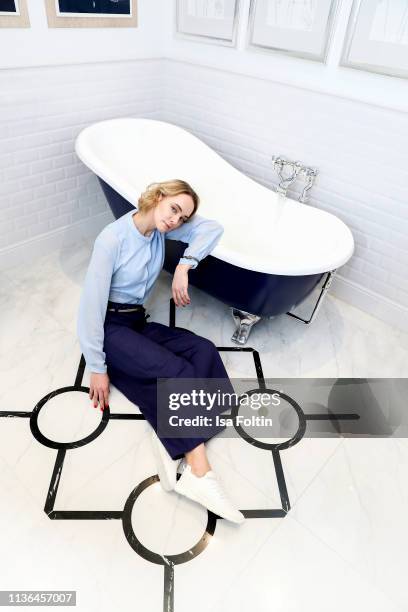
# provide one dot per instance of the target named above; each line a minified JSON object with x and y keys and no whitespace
{"x":296,"y":168}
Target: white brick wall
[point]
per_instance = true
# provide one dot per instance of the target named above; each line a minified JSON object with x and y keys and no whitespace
{"x":359,"y":149}
{"x":43,"y":185}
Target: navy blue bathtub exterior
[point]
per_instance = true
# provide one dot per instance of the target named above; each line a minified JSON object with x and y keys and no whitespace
{"x":259,"y":293}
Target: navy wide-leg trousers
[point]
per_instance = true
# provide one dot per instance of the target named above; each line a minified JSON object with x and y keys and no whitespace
{"x":137,"y":353}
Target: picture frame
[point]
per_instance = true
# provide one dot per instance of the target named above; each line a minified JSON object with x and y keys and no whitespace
{"x":208,"y":21}
{"x":14,"y":14}
{"x":91,"y":13}
{"x":377,"y":37}
{"x":297,"y":29}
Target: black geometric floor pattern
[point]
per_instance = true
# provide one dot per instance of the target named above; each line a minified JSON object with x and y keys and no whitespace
{"x":170,"y":561}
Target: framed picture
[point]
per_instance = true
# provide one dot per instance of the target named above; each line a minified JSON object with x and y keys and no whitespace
{"x":377,"y":37}
{"x":213,"y":21}
{"x":91,"y":13}
{"x":302,"y":29}
{"x":14,"y":14}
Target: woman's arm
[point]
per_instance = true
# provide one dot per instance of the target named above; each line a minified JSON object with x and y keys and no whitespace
{"x":202,"y":235}
{"x":93,"y":302}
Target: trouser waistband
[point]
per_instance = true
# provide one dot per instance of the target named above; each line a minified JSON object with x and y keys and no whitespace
{"x":116,"y":307}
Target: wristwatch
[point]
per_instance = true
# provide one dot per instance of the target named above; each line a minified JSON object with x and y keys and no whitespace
{"x":191,"y":257}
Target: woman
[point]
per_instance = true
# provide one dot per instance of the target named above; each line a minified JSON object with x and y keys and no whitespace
{"x":118,"y":344}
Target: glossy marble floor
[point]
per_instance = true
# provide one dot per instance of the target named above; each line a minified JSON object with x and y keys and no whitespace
{"x":342,"y":544}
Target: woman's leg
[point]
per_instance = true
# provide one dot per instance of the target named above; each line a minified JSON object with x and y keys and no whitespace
{"x":135,"y":359}
{"x":198,"y":482}
{"x":198,"y":461}
{"x":199,"y":351}
{"x":207,"y":363}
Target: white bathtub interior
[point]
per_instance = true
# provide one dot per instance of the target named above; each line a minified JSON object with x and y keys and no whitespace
{"x":263,"y":231}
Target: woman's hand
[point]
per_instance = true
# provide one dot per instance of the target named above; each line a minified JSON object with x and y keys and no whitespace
{"x":99,"y":390}
{"x":180,"y":285}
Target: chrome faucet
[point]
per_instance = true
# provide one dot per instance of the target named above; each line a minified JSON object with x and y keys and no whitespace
{"x":296,"y":168}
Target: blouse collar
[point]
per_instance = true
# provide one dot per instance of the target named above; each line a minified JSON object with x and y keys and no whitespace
{"x":135,"y":229}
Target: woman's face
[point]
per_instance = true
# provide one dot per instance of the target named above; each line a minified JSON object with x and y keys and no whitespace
{"x":172,"y":211}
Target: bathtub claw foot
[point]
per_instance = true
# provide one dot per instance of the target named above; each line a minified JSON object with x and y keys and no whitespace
{"x":244,"y":322}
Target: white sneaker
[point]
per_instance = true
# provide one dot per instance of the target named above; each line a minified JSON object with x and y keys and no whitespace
{"x":166,"y":466}
{"x":208,"y":491}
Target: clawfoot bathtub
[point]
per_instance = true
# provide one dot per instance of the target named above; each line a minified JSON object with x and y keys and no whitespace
{"x":274,"y":250}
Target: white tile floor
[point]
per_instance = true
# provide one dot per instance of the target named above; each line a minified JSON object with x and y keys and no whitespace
{"x":341,"y":546}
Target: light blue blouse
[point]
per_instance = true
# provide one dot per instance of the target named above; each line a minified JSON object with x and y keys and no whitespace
{"x":124,"y":267}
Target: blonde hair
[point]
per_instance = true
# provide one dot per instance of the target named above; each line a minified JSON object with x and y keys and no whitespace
{"x":150,"y":197}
